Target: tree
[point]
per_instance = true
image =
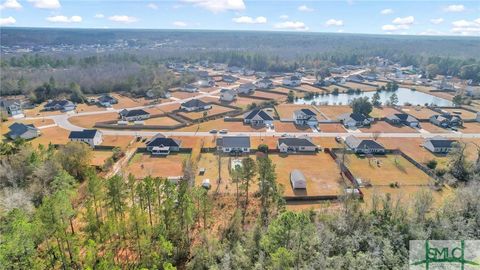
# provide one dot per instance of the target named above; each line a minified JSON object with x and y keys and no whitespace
{"x":269,"y":193}
{"x":376,"y":99}
{"x":393,"y":100}
{"x":249,"y":170}
{"x":291,"y":96}
{"x":457,"y":100}
{"x":263,"y":148}
{"x":362,"y":105}
{"x":75,"y":158}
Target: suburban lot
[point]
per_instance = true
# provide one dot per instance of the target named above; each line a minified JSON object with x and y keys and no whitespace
{"x":384,"y":127}
{"x":209,"y":162}
{"x":142,"y":165}
{"x":419,"y":112}
{"x":219,"y":124}
{"x":54,"y":135}
{"x":310,"y":88}
{"x":117,"y":141}
{"x":285,"y":111}
{"x":289,"y":127}
{"x":88,"y":121}
{"x":334,"y":111}
{"x":262,"y":94}
{"x":331,"y":127}
{"x":216,"y":109}
{"x":161,"y":121}
{"x":461,"y":112}
{"x":182,"y":95}
{"x":405,"y":194}
{"x":360,"y":86}
{"x":433,"y":128}
{"x":127,"y":102}
{"x":470,"y":128}
{"x":89,"y":108}
{"x":380,"y":112}
{"x":321,"y":180}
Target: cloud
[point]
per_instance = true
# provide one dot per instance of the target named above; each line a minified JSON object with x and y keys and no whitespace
{"x":122,"y":19}
{"x":455,"y":8}
{"x":431,"y":32}
{"x":404,"y":21}
{"x":64,"y":19}
{"x":391,"y":27}
{"x":7,"y":21}
{"x":250,"y":20}
{"x":218,"y":5}
{"x":386,"y":11}
{"x":179,"y":24}
{"x":437,"y":21}
{"x":13,"y":4}
{"x":477,"y":21}
{"x":304,"y":8}
{"x":99,"y":16}
{"x":283,"y":17}
{"x":465,"y":27}
{"x":152,"y":6}
{"x":291,"y":25}
{"x":333,"y":22}
{"x":45,"y":4}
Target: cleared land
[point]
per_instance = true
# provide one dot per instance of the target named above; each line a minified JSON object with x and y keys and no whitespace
{"x":419,"y":112}
{"x":117,"y":141}
{"x":143,"y":165}
{"x":216,"y":109}
{"x":209,"y":162}
{"x":331,"y":127}
{"x":363,"y":87}
{"x":268,"y":95}
{"x":219,"y":124}
{"x":470,"y":128}
{"x":285,"y":111}
{"x":380,"y":112}
{"x":384,"y":127}
{"x":89,"y":108}
{"x":465,"y":114}
{"x":127,"y":102}
{"x":54,"y":135}
{"x":334,"y":111}
{"x":183,"y":95}
{"x":88,"y":121}
{"x":433,"y":128}
{"x":289,"y":127}
{"x":320,"y":170}
{"x":161,"y":121}
{"x":310,"y":88}
{"x":281,"y":89}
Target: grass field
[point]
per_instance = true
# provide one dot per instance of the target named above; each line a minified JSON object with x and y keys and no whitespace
{"x":99,"y":157}
{"x":89,"y":108}
{"x":289,"y":127}
{"x":310,"y":88}
{"x":433,"y":128}
{"x":268,"y":95}
{"x":470,"y":128}
{"x":382,"y":112}
{"x":322,"y":179}
{"x":54,"y":135}
{"x":209,"y":162}
{"x":363,"y":87}
{"x":88,"y":121}
{"x":331,"y":127}
{"x":142,"y":165}
{"x":183,"y":95}
{"x":127,"y":102}
{"x":281,"y":89}
{"x":117,"y":141}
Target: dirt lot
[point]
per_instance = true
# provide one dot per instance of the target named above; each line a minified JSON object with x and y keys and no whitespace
{"x":281,"y":89}
{"x":310,"y":88}
{"x":216,"y":109}
{"x":419,"y":112}
{"x":37,"y":111}
{"x":382,"y":112}
{"x":464,"y":114}
{"x":183,"y":95}
{"x":289,"y":127}
{"x":89,"y":108}
{"x":142,"y":165}
{"x":405,"y":194}
{"x":275,"y":96}
{"x":127,"y":102}
{"x":334,"y":111}
{"x":321,"y":180}
{"x":88,"y":121}
{"x":392,"y":168}
{"x":470,"y":128}
{"x":433,"y":128}
{"x":118,"y":141}
{"x":243,"y":102}
{"x":285,"y":111}
{"x":331,"y":127}
{"x":219,"y":124}
{"x":99,"y":157}
{"x":54,"y":135}
{"x":162,"y":121}
{"x":384,"y":127}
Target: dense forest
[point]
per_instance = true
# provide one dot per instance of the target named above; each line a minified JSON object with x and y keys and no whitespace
{"x":56,"y":212}
{"x":137,"y":65}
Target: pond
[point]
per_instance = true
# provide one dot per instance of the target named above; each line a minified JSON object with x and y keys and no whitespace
{"x":404,"y":95}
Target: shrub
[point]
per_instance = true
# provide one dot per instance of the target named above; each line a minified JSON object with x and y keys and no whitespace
{"x":432,"y":164}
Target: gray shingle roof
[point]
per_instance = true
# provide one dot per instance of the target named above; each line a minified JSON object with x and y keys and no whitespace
{"x":194,"y":103}
{"x":234,"y":141}
{"x":295,"y":142}
{"x":84,"y":134}
{"x":261,"y":113}
{"x":130,"y":113}
{"x":160,"y":140}
{"x":18,"y":129}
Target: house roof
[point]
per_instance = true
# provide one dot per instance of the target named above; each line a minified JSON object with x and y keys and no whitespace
{"x":261,"y":113}
{"x":106,"y":98}
{"x":305,"y":111}
{"x":9,"y":102}
{"x":247,"y":85}
{"x":194,"y":103}
{"x":130,"y":113}
{"x":159,"y":140}
{"x":439,"y":141}
{"x":295,"y":142}
{"x":265,"y":81}
{"x":84,"y":134}
{"x":61,"y":103}
{"x":402,"y":117}
{"x":234,"y":141}
{"x":229,"y":77}
{"x":20,"y":128}
{"x":354,"y":142}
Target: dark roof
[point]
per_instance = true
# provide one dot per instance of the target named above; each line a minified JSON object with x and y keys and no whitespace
{"x":226,"y":76}
{"x":354,"y":142}
{"x":106,"y":98}
{"x":130,"y":113}
{"x":194,"y":103}
{"x":295,"y":142}
{"x":9,"y":102}
{"x":294,"y":78}
{"x":441,"y":142}
{"x":247,"y":85}
{"x":160,"y":140}
{"x":84,"y":134}
{"x":19,"y":128}
{"x":61,"y":103}
{"x":358,"y":117}
{"x":261,"y":113}
{"x":308,"y":112}
{"x":234,"y":141}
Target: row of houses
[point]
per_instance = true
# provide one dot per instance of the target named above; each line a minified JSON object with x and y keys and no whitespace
{"x":259,"y":117}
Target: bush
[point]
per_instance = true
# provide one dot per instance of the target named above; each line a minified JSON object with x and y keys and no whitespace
{"x":441,"y":172}
{"x":263,"y":148}
{"x":432,"y":164}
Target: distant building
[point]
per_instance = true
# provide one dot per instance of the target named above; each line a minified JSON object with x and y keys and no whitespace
{"x":246,"y":89}
{"x":227,"y":95}
{"x":161,"y":145}
{"x":364,"y":146}
{"x":91,"y":137}
{"x":229,"y":78}
{"x":355,"y":78}
{"x":248,"y":72}
{"x":189,"y":88}
{"x":106,"y":101}
{"x":439,"y":145}
{"x":60,"y":105}
{"x":446,"y":120}
{"x":134,"y":115}
{"x":354,"y":120}
{"x":206,"y":82}
{"x":305,"y":117}
{"x":195,"y":105}
{"x":264,"y":84}
{"x":26,"y":132}
{"x":403,"y":119}
{"x":257,"y":118}
{"x":234,"y":144}
{"x":301,"y":144}
{"x":298,"y":180}
{"x":13,"y":107}
{"x":292,"y":81}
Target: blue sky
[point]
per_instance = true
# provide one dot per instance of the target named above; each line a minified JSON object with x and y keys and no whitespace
{"x":347,"y":16}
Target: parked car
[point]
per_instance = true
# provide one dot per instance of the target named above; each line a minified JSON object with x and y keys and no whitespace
{"x":338,"y":139}
{"x":213,"y":131}
{"x":224,"y":131}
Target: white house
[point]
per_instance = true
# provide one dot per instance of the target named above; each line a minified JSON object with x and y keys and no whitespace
{"x":257,"y":118}
{"x":292,"y":81}
{"x":234,"y":144}
{"x":246,"y":89}
{"x":227,"y":95}
{"x":439,"y":145}
{"x":305,"y":117}
{"x":291,"y":144}
{"x":91,"y":137}
{"x":189,"y":88}
{"x":134,"y":115}
{"x":59,"y":105}
{"x":264,"y":84}
{"x":354,"y":120}
{"x":13,"y":107}
{"x":364,"y":146}
{"x":195,"y":105}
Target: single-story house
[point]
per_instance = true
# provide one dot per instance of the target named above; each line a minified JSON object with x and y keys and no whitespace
{"x":227,"y":95}
{"x":229,"y":78}
{"x":264,"y":84}
{"x":298,"y":180}
{"x":364,"y":146}
{"x":248,"y":72}
{"x":26,"y":132}
{"x":372,"y":76}
{"x":91,"y":137}
{"x":439,"y":144}
{"x":257,"y":118}
{"x":305,"y":117}
{"x":355,"y":78}
{"x":354,"y":120}
{"x":246,"y":89}
{"x":301,"y":144}
{"x":13,"y":107}
{"x":206,"y":82}
{"x":189,"y":88}
{"x":446,"y":120}
{"x":161,"y":145}
{"x":60,"y":105}
{"x":292,"y":81}
{"x":234,"y":144}
{"x":134,"y":115}
{"x":235,"y":69}
{"x":106,"y":101}
{"x":195,"y":105}
{"x":403,"y":119}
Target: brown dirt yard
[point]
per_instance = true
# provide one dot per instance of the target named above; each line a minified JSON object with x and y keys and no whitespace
{"x":117,"y":141}
{"x":419,"y":112}
{"x":433,"y":128}
{"x":384,"y":127}
{"x":320,"y":170}
{"x":88,"y":121}
{"x":285,"y":111}
{"x":216,"y":109}
{"x":161,"y":121}
{"x":470,"y":128}
{"x":268,"y":95}
{"x":310,"y":88}
{"x":334,"y":111}
{"x":331,"y":127}
{"x":99,"y":157}
{"x":381,"y":112}
{"x":142,"y":165}
{"x":363,"y":87}
{"x":127,"y":102}
{"x":54,"y":135}
{"x":219,"y":124}
{"x":465,"y":114}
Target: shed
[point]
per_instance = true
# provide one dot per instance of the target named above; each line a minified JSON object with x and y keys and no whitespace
{"x":297,"y":179}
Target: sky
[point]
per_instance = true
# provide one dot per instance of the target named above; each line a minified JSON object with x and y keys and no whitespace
{"x":340,"y":16}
